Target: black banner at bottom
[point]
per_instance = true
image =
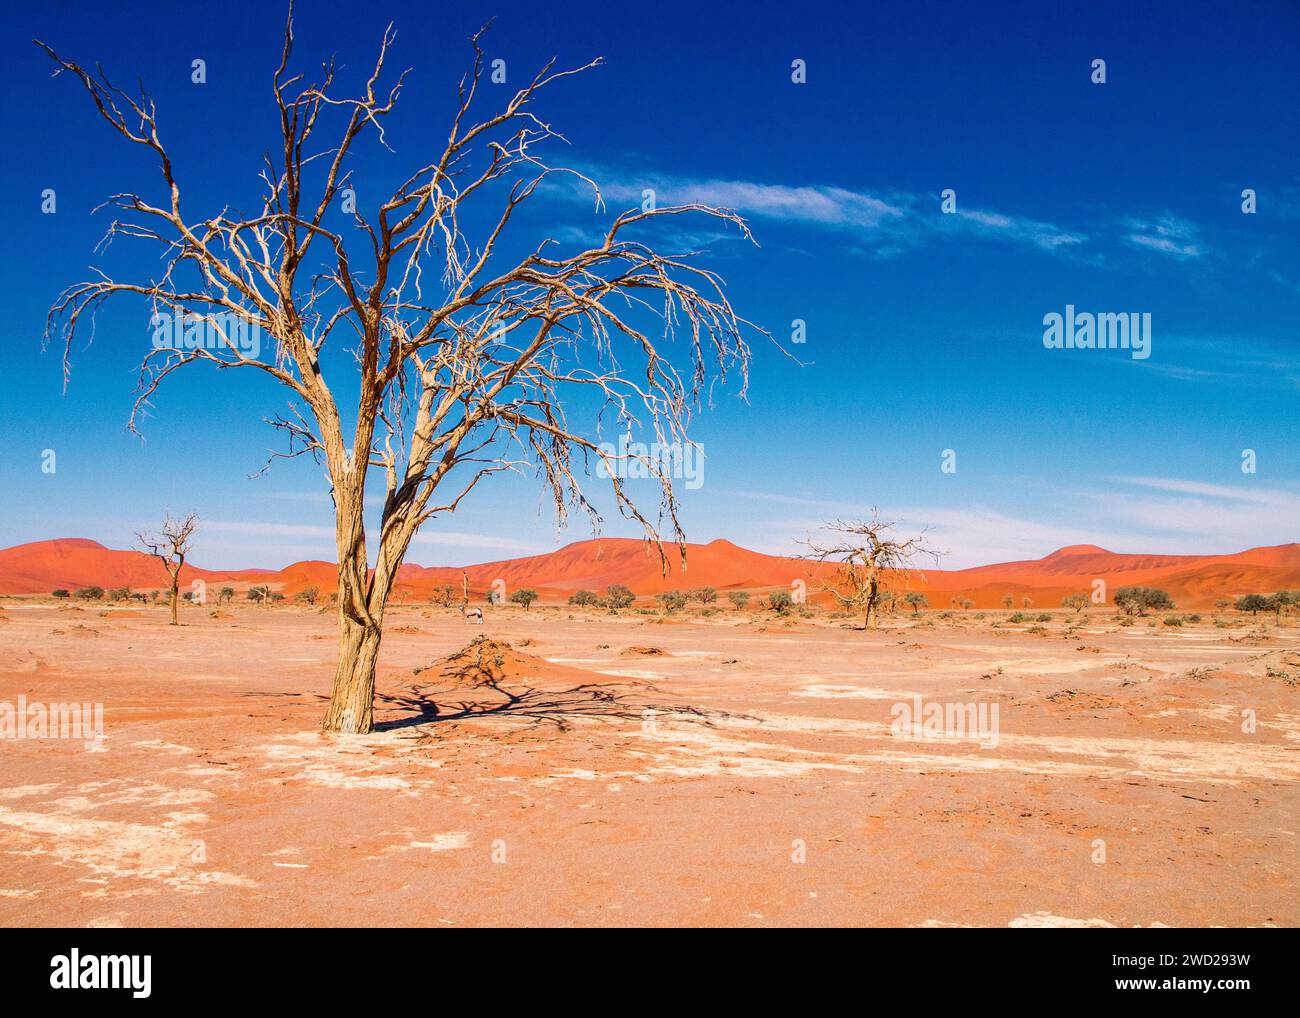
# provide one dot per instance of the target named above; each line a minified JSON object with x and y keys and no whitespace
{"x":144,"y":967}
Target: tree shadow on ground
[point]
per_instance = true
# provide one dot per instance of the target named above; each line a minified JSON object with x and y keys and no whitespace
{"x":560,"y":708}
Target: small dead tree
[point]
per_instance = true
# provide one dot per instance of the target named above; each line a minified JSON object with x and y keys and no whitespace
{"x":867,"y":561}
{"x":465,"y":352}
{"x":170,"y":546}
{"x":1076,"y":601}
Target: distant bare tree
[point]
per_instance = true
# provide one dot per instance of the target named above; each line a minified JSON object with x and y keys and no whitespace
{"x":867,"y":559}
{"x":465,"y":355}
{"x":170,"y":546}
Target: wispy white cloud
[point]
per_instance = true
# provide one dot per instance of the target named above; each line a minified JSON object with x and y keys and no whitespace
{"x":825,"y":206}
{"x":968,"y":535}
{"x":1240,"y":495}
{"x":430,"y":536}
{"x":1198,"y":517}
{"x":1047,"y":236}
{"x":793,"y":500}
{"x":461,"y":539}
{"x":1130,"y":514}
{"x":267,"y":529}
{"x":1167,"y":234}
{"x":885,"y":224}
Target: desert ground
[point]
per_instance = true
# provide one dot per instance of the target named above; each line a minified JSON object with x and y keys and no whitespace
{"x":594,"y":769}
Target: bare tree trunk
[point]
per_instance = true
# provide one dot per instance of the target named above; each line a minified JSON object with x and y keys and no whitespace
{"x":362,"y":601}
{"x":352,"y":700}
{"x":176,"y":595}
{"x":351,"y":707}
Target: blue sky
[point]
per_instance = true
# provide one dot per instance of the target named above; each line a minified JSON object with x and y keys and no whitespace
{"x":924,"y":329}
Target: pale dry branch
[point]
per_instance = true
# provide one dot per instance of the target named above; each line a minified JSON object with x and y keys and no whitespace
{"x":466,"y":354}
{"x":868,"y":563}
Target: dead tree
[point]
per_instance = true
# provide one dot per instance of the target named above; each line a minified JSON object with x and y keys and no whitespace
{"x":170,"y":546}
{"x":464,"y":355}
{"x":866,"y":561}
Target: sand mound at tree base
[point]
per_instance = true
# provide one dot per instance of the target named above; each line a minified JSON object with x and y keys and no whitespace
{"x":487,"y":662}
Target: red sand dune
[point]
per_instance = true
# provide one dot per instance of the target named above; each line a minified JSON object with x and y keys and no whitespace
{"x":43,"y":566}
{"x":1192,"y":580}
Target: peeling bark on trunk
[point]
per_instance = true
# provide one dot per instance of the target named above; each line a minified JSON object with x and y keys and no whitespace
{"x":872,"y":621}
{"x":352,"y":699}
{"x":363,"y":598}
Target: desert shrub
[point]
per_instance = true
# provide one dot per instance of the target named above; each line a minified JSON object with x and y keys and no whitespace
{"x":584,"y":598}
{"x":671,"y":600}
{"x":779,"y":601}
{"x":1138,"y":600}
{"x":308,"y":595}
{"x":1282,"y":601}
{"x":1193,"y":618}
{"x":90,"y":593}
{"x":1018,"y":617}
{"x":1173,"y":620}
{"x":525,"y":596}
{"x":1037,"y":630}
{"x":1124,"y":620}
{"x":705,"y":595}
{"x":60,"y":593}
{"x":1252,"y":603}
{"x":739,"y":598}
{"x":618,"y":596}
{"x":1044,"y":617}
{"x":917,"y":601}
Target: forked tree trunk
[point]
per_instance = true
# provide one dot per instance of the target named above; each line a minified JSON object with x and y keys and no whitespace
{"x":352,"y":700}
{"x":363,"y":597}
{"x":361,"y":618}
